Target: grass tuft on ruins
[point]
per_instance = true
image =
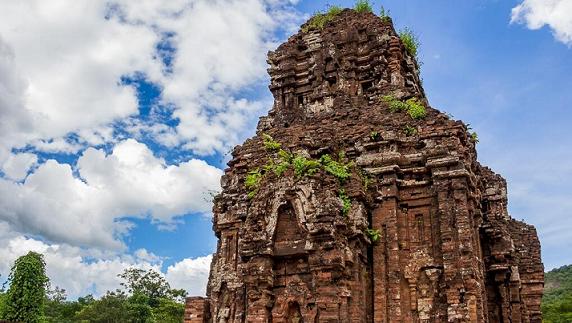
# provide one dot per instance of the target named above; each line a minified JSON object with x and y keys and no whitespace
{"x":358,"y":202}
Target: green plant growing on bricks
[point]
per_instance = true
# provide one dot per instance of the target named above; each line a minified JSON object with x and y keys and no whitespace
{"x":269,"y":166}
{"x":346,"y":202}
{"x":410,"y":131}
{"x":366,"y":179}
{"x":416,"y":109}
{"x":270,"y":143}
{"x":394,"y":104}
{"x":320,"y":19}
{"x":474,"y":137}
{"x":363,"y":6}
{"x":339,"y":170}
{"x":277,"y":168}
{"x":25,"y":299}
{"x":285,"y":156}
{"x":284,"y":162}
{"x":412,"y":106}
{"x":252,"y":182}
{"x":334,"y":11}
{"x":280,"y":168}
{"x":374,"y":135}
{"x":373,"y":235}
{"x":304,"y":166}
{"x":384,"y":14}
{"x":410,"y":41}
{"x":301,"y":165}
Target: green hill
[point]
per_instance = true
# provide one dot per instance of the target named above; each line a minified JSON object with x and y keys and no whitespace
{"x":557,"y":300}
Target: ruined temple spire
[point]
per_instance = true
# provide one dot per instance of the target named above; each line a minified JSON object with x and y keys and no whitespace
{"x":358,"y":202}
{"x":353,"y":55}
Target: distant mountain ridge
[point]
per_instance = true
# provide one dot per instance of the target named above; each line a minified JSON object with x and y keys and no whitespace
{"x":557,"y":300}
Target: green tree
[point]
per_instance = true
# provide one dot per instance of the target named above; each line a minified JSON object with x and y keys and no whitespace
{"x":2,"y":299}
{"x":557,"y":299}
{"x":152,"y":298}
{"x":151,"y":284}
{"x":60,"y":310}
{"x":169,"y":311}
{"x":110,"y":308}
{"x":146,"y":297}
{"x":139,"y":310}
{"x":55,"y":303}
{"x":25,"y":298}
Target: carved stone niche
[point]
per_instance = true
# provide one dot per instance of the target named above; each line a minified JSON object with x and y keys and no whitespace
{"x":292,"y":275}
{"x":294,"y":313}
{"x":289,"y":236}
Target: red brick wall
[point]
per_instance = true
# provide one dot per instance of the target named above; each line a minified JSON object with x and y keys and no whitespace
{"x":196,"y":310}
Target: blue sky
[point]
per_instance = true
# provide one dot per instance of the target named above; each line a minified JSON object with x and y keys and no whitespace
{"x":116,"y":119}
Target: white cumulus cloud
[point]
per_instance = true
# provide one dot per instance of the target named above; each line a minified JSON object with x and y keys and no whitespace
{"x":70,"y":268}
{"x":62,"y":64}
{"x":556,"y":14}
{"x":190,"y":274}
{"x":16,"y":166}
{"x":61,"y":69}
{"x":72,"y":60}
{"x":86,"y":209}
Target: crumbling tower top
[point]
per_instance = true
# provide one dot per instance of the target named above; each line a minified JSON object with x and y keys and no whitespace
{"x":354,"y":54}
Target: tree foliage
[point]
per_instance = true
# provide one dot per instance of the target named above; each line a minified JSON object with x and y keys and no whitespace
{"x":119,"y":307}
{"x":168,"y":311}
{"x":146,"y":297}
{"x":112,"y":307}
{"x":25,"y":299}
{"x":2,"y":300}
{"x":557,"y":299}
{"x":60,"y":310}
{"x":151,"y":284}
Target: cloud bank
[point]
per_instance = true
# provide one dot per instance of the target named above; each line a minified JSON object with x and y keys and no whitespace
{"x":69,"y":268}
{"x":85,"y":209}
{"x":82,"y":151}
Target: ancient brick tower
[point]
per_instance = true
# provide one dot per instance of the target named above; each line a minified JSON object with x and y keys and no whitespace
{"x":354,"y":204}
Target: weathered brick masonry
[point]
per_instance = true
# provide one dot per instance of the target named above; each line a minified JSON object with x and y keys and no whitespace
{"x":447,"y":250}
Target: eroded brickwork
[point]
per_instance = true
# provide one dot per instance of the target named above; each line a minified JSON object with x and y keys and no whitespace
{"x":196,"y":310}
{"x":447,"y":250}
